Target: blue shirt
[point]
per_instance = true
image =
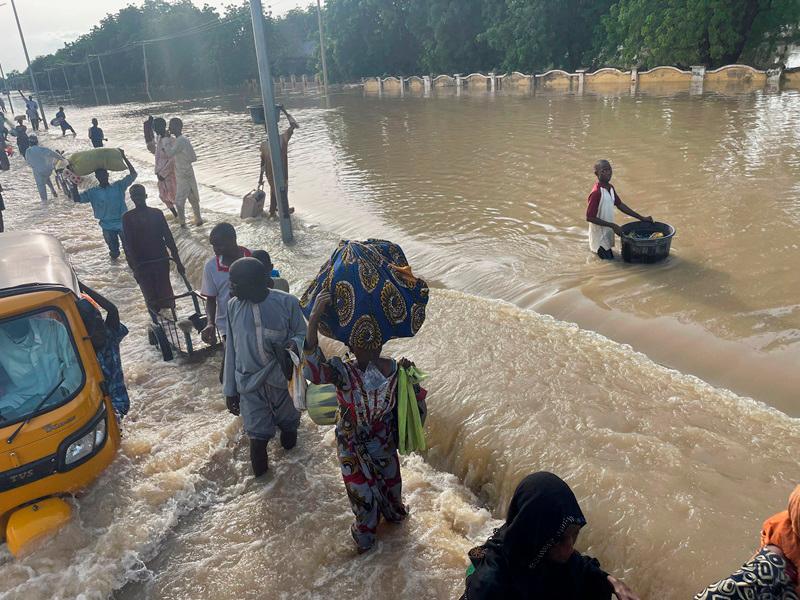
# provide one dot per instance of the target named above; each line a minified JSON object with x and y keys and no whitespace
{"x":111,"y":365}
{"x":108,"y":203}
{"x":96,"y":135}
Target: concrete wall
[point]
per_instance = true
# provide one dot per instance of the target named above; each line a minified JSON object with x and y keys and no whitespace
{"x":665,"y":75}
{"x":791,"y":79}
{"x":736,"y":75}
{"x":603,"y":78}
{"x":557,"y":81}
{"x":416,"y":84}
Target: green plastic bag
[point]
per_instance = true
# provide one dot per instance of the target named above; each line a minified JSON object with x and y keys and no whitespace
{"x":409,"y":423}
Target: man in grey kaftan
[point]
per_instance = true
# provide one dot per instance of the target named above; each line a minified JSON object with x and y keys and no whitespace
{"x":261,"y":323}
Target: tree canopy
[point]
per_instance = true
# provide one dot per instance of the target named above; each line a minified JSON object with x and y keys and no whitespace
{"x":403,"y":37}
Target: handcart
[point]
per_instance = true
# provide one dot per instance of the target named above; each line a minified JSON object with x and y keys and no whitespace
{"x":176,"y":331}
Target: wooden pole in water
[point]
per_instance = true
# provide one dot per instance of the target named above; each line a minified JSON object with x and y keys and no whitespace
{"x":91,"y":78}
{"x":5,"y":88}
{"x":322,"y":50}
{"x":146,"y":75}
{"x":103,"y":77}
{"x":50,"y":84}
{"x":268,"y":98}
{"x":30,"y":69}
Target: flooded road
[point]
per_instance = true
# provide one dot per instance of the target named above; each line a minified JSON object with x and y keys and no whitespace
{"x":487,"y":196}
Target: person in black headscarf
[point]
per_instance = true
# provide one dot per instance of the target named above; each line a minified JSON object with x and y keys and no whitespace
{"x":533,"y":555}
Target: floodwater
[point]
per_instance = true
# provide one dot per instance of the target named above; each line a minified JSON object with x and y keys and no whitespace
{"x":664,"y":394}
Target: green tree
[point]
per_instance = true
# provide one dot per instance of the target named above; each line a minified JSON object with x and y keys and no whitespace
{"x":543,"y":34}
{"x":685,"y":32}
{"x":371,"y":37}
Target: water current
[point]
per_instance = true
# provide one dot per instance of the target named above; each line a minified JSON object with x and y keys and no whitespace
{"x":664,"y":395}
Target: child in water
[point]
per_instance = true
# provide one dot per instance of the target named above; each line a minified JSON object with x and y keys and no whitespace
{"x":600,"y":212}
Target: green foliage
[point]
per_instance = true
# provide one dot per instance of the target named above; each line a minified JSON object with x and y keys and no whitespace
{"x":403,"y":37}
{"x":211,"y":49}
{"x":686,"y":32}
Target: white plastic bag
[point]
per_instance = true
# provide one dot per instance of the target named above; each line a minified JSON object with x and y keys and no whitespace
{"x":297,"y":384}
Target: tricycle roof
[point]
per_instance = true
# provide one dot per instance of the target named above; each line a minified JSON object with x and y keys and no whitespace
{"x":31,"y":261}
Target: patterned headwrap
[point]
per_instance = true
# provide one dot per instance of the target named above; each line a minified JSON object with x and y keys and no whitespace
{"x":375,"y":295}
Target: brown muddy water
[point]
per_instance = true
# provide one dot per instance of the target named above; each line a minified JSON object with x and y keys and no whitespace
{"x":666,"y":395}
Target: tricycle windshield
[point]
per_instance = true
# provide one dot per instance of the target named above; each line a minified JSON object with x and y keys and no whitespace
{"x":39,"y":366}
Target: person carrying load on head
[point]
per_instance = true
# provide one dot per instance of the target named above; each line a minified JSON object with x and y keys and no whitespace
{"x":61,"y":116}
{"x":42,"y":160}
{"x":165,"y":166}
{"x":369,"y":388}
{"x":266,"y":163}
{"x":186,"y":184}
{"x":263,"y":324}
{"x":108,"y":203}
{"x":600,"y":212}
{"x":148,"y":244}
{"x":106,"y":337}
{"x":32,"y":110}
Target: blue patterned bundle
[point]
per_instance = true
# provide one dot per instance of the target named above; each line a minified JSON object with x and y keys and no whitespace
{"x":376,"y":298}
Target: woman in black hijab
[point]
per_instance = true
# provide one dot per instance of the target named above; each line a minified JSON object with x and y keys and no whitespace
{"x":533,"y":555}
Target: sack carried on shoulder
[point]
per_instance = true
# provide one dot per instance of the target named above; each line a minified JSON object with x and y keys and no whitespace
{"x":253,"y":204}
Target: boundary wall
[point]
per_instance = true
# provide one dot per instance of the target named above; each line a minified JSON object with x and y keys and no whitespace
{"x":696,"y":80}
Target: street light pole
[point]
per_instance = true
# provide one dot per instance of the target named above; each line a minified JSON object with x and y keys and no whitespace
{"x":273,"y":138}
{"x":5,"y":88}
{"x":322,"y":50}
{"x":30,"y":69}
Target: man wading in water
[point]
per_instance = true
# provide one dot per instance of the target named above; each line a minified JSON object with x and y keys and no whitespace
{"x":600,"y":212}
{"x":266,"y":163}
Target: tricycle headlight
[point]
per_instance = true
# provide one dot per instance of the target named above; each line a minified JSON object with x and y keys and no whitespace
{"x":80,"y":448}
{"x":100,"y":433}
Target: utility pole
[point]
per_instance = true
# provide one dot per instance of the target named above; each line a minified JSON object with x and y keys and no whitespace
{"x":5,"y":88}
{"x":91,"y":78}
{"x":268,"y":98}
{"x":30,"y":69}
{"x":146,"y":76}
{"x":103,"y":77}
{"x":322,"y":50}
{"x":66,"y":81}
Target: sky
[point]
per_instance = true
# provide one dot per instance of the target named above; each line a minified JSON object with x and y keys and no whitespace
{"x":48,"y":24}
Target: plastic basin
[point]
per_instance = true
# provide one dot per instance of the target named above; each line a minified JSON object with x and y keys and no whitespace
{"x":638,"y":248}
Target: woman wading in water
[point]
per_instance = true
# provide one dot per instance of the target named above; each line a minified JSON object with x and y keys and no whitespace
{"x":366,"y":428}
{"x":533,"y":555}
